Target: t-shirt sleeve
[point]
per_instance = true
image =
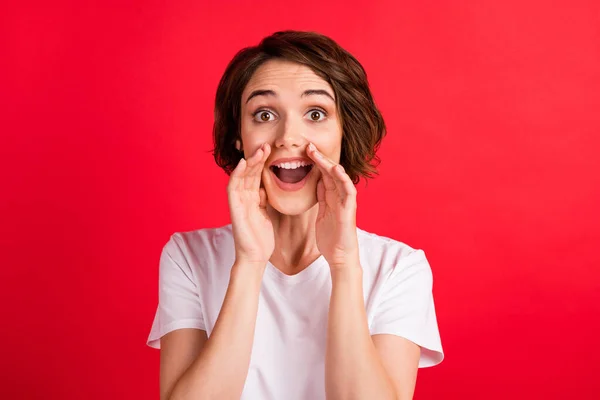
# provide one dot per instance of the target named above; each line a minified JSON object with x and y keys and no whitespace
{"x":178,"y":297}
{"x":406,"y":308}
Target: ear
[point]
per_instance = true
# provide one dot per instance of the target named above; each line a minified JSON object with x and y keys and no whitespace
{"x":238,"y":145}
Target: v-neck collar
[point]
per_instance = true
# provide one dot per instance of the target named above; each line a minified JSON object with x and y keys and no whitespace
{"x":307,"y":273}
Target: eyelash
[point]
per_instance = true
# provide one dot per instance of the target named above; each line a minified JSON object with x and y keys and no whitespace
{"x":267,"y":110}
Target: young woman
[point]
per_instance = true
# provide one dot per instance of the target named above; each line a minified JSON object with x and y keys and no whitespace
{"x":292,"y":300}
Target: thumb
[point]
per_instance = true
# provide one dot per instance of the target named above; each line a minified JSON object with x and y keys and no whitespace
{"x":263,"y":198}
{"x":321,"y":192}
{"x":321,"y":199}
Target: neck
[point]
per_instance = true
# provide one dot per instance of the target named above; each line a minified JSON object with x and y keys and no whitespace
{"x":295,"y":240}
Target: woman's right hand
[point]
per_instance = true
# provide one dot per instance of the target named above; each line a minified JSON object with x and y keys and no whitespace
{"x":252,"y":228}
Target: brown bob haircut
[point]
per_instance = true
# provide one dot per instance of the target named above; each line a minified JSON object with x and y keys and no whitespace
{"x":363,"y":127}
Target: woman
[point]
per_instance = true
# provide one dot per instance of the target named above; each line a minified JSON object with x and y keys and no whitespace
{"x":292,"y":300}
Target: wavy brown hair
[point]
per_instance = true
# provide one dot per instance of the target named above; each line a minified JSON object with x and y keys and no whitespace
{"x":362,"y":124}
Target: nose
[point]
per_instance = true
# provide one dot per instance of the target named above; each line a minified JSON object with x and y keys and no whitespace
{"x":290,"y":134}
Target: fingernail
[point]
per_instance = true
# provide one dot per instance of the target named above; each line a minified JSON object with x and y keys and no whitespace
{"x":311,"y":147}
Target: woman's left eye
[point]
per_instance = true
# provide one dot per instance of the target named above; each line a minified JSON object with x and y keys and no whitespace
{"x":315,"y":113}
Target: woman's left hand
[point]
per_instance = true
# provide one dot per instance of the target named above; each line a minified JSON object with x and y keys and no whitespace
{"x":336,"y":222}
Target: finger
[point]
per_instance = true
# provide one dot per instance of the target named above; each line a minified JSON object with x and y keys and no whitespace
{"x":260,"y":167}
{"x":256,"y":157}
{"x":248,"y":177}
{"x":319,"y":158}
{"x":328,"y":180}
{"x":239,"y":169}
{"x":334,"y":173}
{"x":254,"y":174}
{"x":338,"y":174}
{"x":236,"y":175}
{"x":325,"y":165}
{"x":261,"y":164}
{"x":346,"y":185}
{"x":321,"y":199}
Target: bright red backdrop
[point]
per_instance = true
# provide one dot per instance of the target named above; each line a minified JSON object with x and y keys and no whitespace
{"x":490,"y":165}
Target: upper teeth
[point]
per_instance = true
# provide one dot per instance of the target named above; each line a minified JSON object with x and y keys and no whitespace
{"x":293,"y":165}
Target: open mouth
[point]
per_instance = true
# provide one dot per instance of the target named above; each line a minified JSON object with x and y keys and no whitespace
{"x":291,"y":175}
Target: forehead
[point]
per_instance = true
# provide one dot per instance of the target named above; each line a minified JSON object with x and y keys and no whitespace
{"x":284,"y":75}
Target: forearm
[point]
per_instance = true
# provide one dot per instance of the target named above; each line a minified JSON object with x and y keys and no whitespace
{"x":221,"y":368}
{"x":353,"y":369}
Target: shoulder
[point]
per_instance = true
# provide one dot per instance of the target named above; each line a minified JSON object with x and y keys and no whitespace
{"x":382,"y":255}
{"x":378,"y":246}
{"x":200,"y":247}
{"x":202,"y":240}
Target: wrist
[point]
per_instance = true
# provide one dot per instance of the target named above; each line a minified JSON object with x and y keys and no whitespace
{"x":346,"y":269}
{"x":350,"y":261}
{"x":248,"y":270}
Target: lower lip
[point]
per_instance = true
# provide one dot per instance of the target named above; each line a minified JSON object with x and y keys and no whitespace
{"x":291,"y":187}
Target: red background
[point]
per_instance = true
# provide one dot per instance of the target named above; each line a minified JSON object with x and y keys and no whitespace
{"x":490,"y":165}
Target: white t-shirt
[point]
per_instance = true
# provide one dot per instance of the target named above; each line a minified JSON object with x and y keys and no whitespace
{"x":288,"y":353}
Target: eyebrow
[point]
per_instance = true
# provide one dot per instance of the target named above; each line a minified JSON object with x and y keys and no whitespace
{"x":309,"y":92}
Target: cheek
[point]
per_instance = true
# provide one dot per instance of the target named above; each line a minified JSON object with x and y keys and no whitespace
{"x":331,"y":148}
{"x":253,"y":137}
{"x":328,"y":141}
{"x":251,"y":142}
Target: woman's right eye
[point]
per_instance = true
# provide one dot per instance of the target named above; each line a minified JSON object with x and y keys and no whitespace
{"x":263,"y":116}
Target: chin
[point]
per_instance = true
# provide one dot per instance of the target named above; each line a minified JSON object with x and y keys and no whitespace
{"x":295,"y":203}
